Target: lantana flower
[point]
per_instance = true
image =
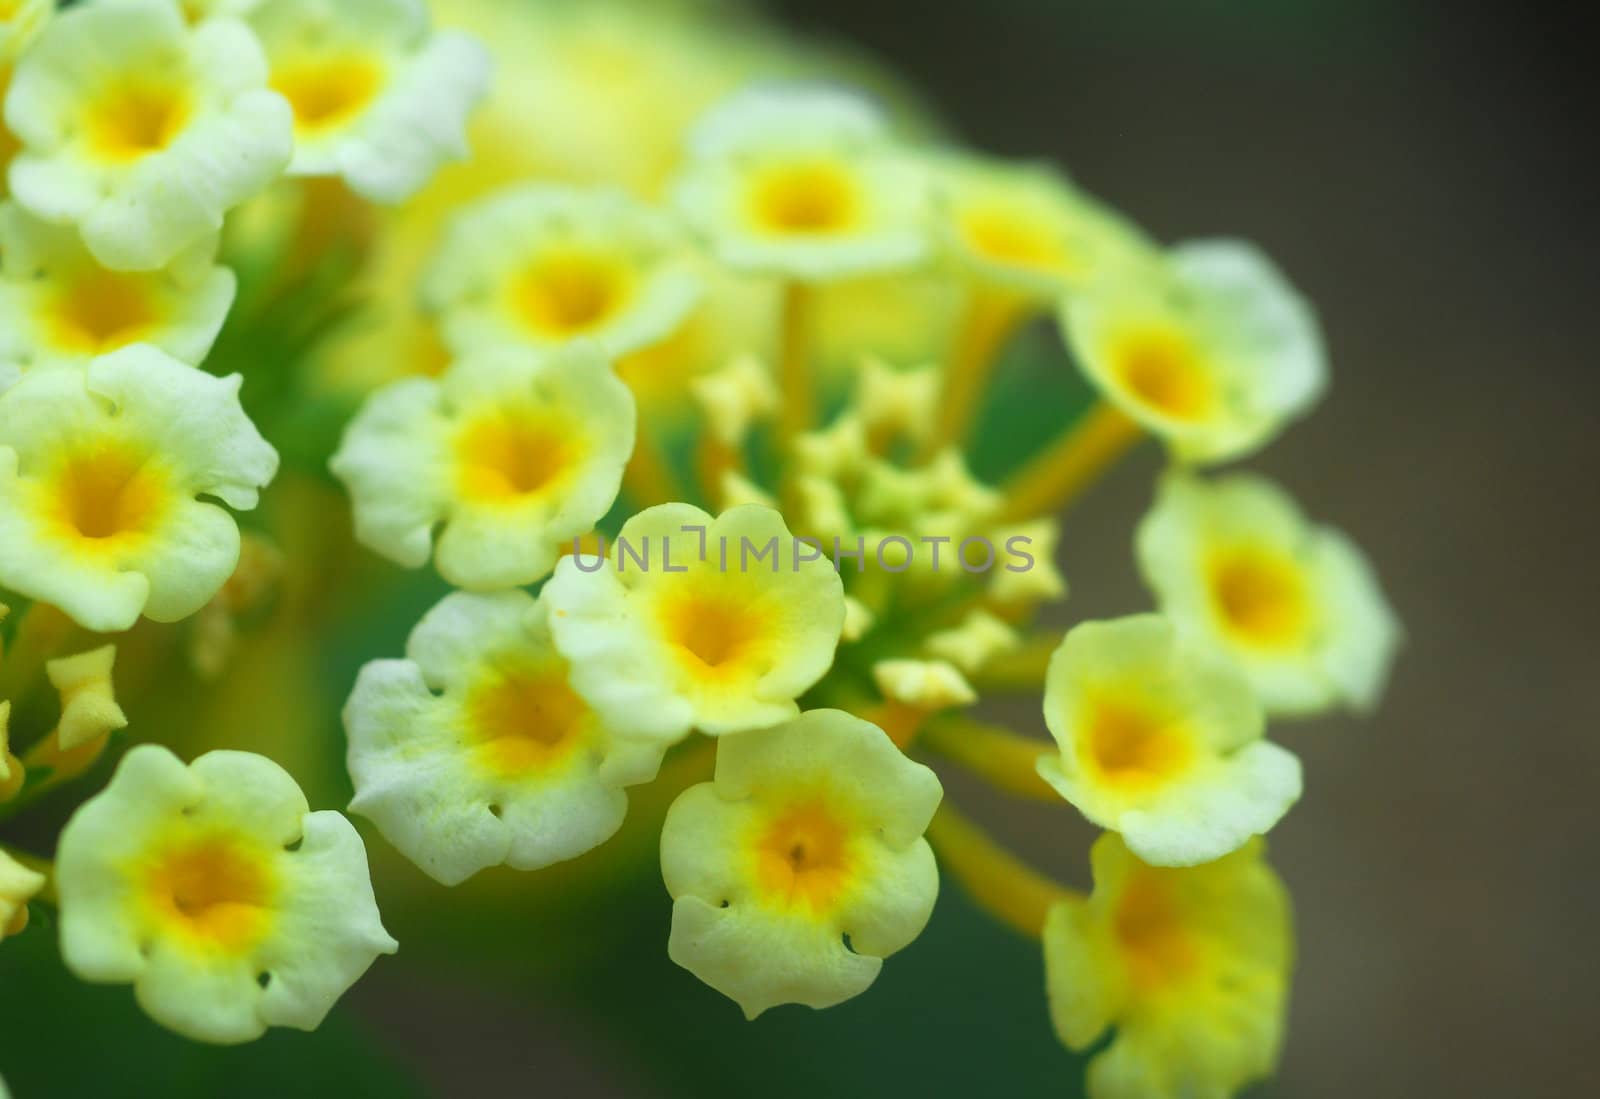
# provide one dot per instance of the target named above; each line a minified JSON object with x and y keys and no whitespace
{"x":697,"y":622}
{"x":18,"y":884}
{"x":142,"y":131}
{"x":1160,"y":739}
{"x":802,"y":183}
{"x":542,"y":264}
{"x":60,"y":306}
{"x":20,"y":20}
{"x":801,"y":866}
{"x":100,"y":470}
{"x":217,"y":893}
{"x":1024,"y":230}
{"x":511,"y":454}
{"x":1214,"y":355}
{"x":1190,"y":967}
{"x":475,"y":750}
{"x":379,"y":99}
{"x":1297,"y":606}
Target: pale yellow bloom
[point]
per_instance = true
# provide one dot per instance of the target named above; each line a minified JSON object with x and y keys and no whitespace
{"x":1297,"y":606}
{"x":380,"y":100}
{"x":89,"y":707}
{"x":141,"y":130}
{"x":59,"y":306}
{"x":1212,"y":351}
{"x":541,"y":265}
{"x":509,"y":455}
{"x":1160,"y":739}
{"x":802,"y":182}
{"x":802,"y":865}
{"x":475,"y":750}
{"x":716,"y":623}
{"x":1190,"y":967}
{"x":100,"y":474}
{"x":1021,"y":228}
{"x":217,"y":893}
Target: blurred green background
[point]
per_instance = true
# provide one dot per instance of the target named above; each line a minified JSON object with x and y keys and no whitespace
{"x":1422,"y":171}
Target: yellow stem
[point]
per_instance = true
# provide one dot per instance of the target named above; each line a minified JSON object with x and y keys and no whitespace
{"x":1002,"y":884}
{"x":41,"y":633}
{"x":990,"y":319}
{"x":1021,"y":669}
{"x":1003,"y":758}
{"x":713,"y":458}
{"x":794,"y":365}
{"x":1070,"y":464}
{"x":649,"y":478}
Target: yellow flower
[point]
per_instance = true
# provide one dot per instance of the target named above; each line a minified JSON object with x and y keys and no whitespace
{"x":217,"y":893}
{"x":1297,"y":606}
{"x":1023,"y":229}
{"x":379,"y":99}
{"x":1191,"y":967}
{"x":697,"y":622}
{"x":542,"y":265}
{"x":99,"y":473}
{"x":58,"y":306}
{"x":1215,"y":353}
{"x":1160,"y":739}
{"x":475,"y":751}
{"x":514,"y":453}
{"x":802,"y":865}
{"x":896,"y":403}
{"x":802,"y":183}
{"x":142,"y":131}
{"x":89,"y":707}
{"x":18,"y":884}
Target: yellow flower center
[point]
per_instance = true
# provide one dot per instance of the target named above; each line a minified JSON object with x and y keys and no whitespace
{"x":1134,"y":748}
{"x":803,"y":857}
{"x":1262,"y":597}
{"x":102,"y":311}
{"x":525,"y":720}
{"x":568,"y":293}
{"x":1157,"y":947}
{"x":109,"y":494}
{"x":511,"y":456}
{"x":1001,"y":235}
{"x":810,"y":198}
{"x":328,"y":92}
{"x":214,"y":891}
{"x":714,"y":633}
{"x":136,"y":117}
{"x":1164,"y":371}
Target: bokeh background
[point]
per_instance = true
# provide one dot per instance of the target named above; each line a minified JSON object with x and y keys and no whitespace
{"x":1422,"y":171}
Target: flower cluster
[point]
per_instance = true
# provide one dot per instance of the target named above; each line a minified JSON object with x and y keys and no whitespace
{"x":689,"y":402}
{"x":132,"y":130}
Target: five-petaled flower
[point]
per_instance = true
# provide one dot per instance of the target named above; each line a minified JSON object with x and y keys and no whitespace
{"x":801,"y":866}
{"x":217,"y":893}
